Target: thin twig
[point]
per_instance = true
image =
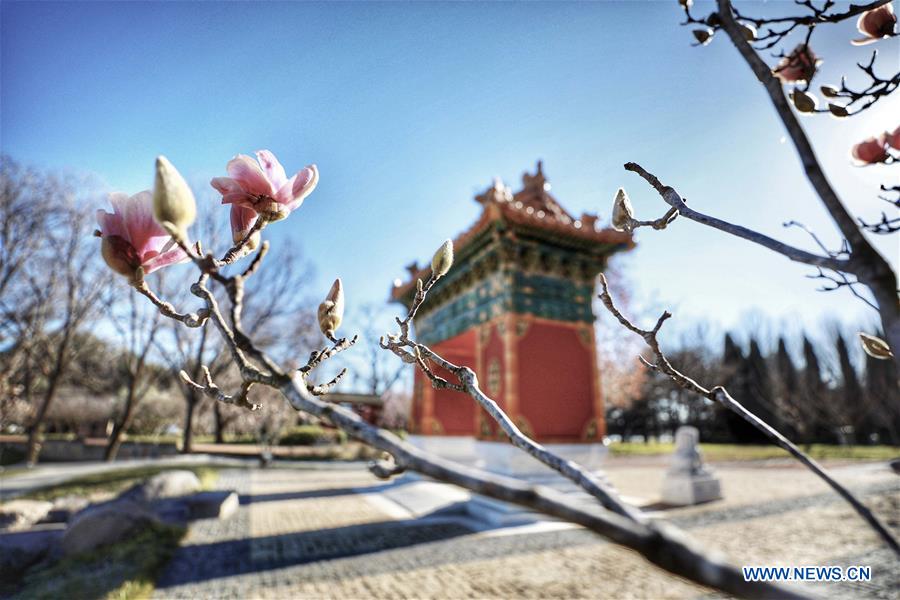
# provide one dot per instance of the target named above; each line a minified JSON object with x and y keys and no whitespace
{"x":216,"y":393}
{"x":671,"y":197}
{"x":467,"y":383}
{"x":719,"y":395}
{"x":197,"y":319}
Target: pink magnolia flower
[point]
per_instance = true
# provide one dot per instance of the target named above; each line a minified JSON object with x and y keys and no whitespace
{"x":242,"y":221}
{"x":132,"y":239}
{"x":876,"y":24}
{"x":893,"y":138}
{"x":799,"y":66}
{"x":264,"y":187}
{"x":870,"y":151}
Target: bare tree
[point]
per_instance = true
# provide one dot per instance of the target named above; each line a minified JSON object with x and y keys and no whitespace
{"x":80,"y":289}
{"x":139,"y":330}
{"x":49,"y":284}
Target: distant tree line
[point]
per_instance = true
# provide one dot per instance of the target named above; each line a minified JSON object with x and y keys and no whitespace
{"x":826,"y":394}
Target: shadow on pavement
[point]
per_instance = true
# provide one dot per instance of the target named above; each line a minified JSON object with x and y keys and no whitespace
{"x":195,"y":563}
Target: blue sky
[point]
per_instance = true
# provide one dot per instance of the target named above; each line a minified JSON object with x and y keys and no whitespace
{"x":409,"y":109}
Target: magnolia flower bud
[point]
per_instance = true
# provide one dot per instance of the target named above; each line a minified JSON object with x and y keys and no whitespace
{"x":686,"y":3}
{"x":174,"y":207}
{"x":875,"y":346}
{"x":749,"y":31}
{"x":838,"y":111}
{"x":805,"y":103}
{"x":829,"y":91}
{"x":703,"y":36}
{"x":331,"y":311}
{"x":442,"y":260}
{"x":623,"y":214}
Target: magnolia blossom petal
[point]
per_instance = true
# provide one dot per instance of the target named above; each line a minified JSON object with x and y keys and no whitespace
{"x":799,"y":66}
{"x":225,"y":185}
{"x":249,"y":176}
{"x":174,"y":256}
{"x":877,"y":23}
{"x":132,"y":238}
{"x":305,"y":182}
{"x":242,"y":220}
{"x":870,"y":151}
{"x":239,"y":198}
{"x":893,"y":138}
{"x":111,"y":224}
{"x":142,"y":227}
{"x":272,"y":168}
{"x":285,"y":194}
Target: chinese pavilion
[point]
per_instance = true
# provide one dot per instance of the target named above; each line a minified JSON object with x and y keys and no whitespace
{"x":517,"y":308}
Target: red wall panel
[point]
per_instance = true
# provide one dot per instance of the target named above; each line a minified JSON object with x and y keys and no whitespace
{"x":555,"y":381}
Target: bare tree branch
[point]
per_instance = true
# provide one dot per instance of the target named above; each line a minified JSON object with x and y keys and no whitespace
{"x":671,"y":197}
{"x":721,"y":396}
{"x":659,"y":543}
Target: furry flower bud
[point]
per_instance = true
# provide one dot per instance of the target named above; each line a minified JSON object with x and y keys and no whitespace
{"x":748,"y":30}
{"x":805,"y":103}
{"x":703,"y":36}
{"x":838,"y":111}
{"x":331,"y":311}
{"x":442,"y":259}
{"x":622,"y":214}
{"x":875,"y":346}
{"x":173,"y":202}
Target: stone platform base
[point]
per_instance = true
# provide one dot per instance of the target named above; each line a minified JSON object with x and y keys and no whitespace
{"x":685,"y":490}
{"x":505,"y":459}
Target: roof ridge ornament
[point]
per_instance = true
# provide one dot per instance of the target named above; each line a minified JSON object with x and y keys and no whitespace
{"x":538,"y":180}
{"x":496,"y":192}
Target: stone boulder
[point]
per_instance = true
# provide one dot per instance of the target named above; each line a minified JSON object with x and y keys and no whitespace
{"x":64,"y":508}
{"x":21,"y":549}
{"x":168,"y":484}
{"x":213,"y":504}
{"x":22,"y":514}
{"x":105,"y":524}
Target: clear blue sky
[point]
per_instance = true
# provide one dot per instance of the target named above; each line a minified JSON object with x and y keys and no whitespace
{"x":409,"y":109}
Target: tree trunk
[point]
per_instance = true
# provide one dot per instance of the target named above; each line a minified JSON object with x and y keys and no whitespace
{"x":115,"y":440}
{"x":220,"y":424}
{"x":187,"y":439}
{"x":33,"y":450}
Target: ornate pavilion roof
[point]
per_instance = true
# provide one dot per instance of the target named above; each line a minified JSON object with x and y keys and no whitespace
{"x":533,"y":211}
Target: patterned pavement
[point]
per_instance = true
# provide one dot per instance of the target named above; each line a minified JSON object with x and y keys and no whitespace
{"x":319,"y":534}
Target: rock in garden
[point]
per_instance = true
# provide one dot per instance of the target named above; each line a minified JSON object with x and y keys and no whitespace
{"x":22,"y":514}
{"x":19,"y":550}
{"x":168,"y":484}
{"x":64,"y":508}
{"x":213,"y":504}
{"x":106,"y":524}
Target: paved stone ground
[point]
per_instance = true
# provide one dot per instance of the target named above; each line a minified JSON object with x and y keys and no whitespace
{"x":319,"y":534}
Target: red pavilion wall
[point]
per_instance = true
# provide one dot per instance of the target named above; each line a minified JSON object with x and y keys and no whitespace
{"x":544,"y":375}
{"x":446,"y":412}
{"x":557,"y":382}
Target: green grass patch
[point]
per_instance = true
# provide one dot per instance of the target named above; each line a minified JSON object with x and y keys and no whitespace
{"x":736,"y":452}
{"x":127,"y":570}
{"x":118,"y":480}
